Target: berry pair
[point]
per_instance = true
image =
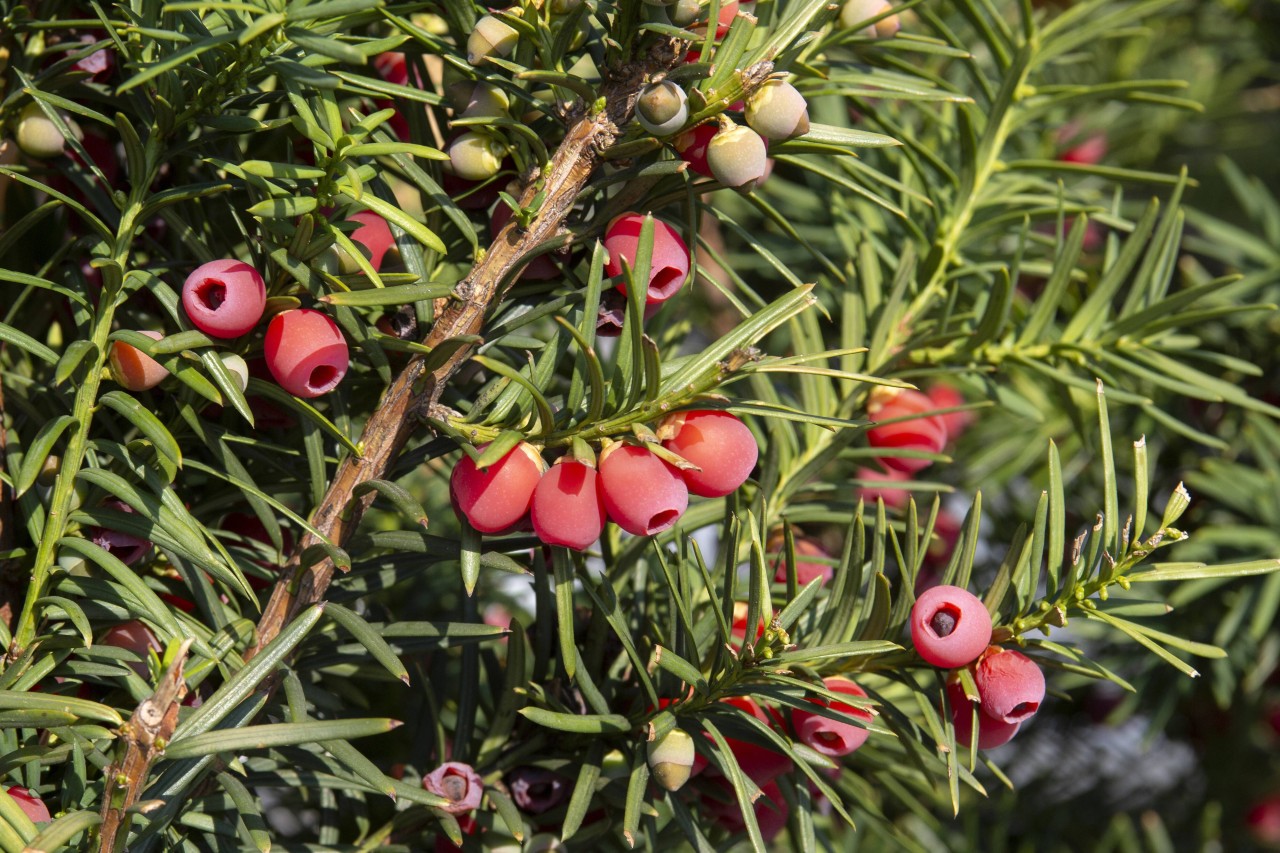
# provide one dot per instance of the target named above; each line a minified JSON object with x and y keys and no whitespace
{"x":1010,"y":690}
{"x":908,"y":421}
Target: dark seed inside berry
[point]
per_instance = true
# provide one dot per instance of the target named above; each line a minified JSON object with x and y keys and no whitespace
{"x":943,"y":623}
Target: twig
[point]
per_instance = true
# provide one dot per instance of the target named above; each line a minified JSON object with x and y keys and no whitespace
{"x":145,"y":736}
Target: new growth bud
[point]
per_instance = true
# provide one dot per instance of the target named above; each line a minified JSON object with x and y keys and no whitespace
{"x":671,"y":759}
{"x":662,"y":108}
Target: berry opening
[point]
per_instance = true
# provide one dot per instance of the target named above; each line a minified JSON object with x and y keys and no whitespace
{"x":830,"y":739}
{"x":212,"y":293}
{"x":945,"y":620}
{"x":662,"y":520}
{"x":323,"y":378}
{"x":666,"y":282}
{"x":1023,"y":710}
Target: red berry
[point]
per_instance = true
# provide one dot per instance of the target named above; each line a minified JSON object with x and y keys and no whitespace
{"x":567,"y":507}
{"x":132,"y":368}
{"x":32,"y":806}
{"x":761,"y":764}
{"x":718,"y":443}
{"x":1010,"y":685}
{"x":669,"y":264}
{"x":1089,"y":152}
{"x":125,"y":547}
{"x":643,"y":494}
{"x":374,"y":234}
{"x":917,"y":433}
{"x":833,"y":738}
{"x":950,"y":626}
{"x":946,"y":397}
{"x":806,"y":570}
{"x":498,"y":497}
{"x":991,"y":732}
{"x":771,"y":809}
{"x":738,"y":629}
{"x":305,"y":352}
{"x":135,"y":637}
{"x":692,"y":147}
{"x":893,"y":497}
{"x":224,"y":298}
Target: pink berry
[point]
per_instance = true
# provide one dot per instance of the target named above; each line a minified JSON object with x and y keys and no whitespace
{"x":224,"y":298}
{"x":918,"y":433}
{"x":771,"y":809}
{"x":718,"y":443}
{"x":134,"y":637}
{"x":991,"y":732}
{"x":669,"y":264}
{"x":1263,"y":820}
{"x":692,"y":147}
{"x":950,"y":626}
{"x":643,"y":494}
{"x":1089,"y":152}
{"x":132,"y":368}
{"x":458,"y":783}
{"x":1010,"y":685}
{"x":498,"y":497}
{"x":305,"y":352}
{"x":567,"y":507}
{"x":31,"y":805}
{"x":761,"y":764}
{"x":806,"y":570}
{"x":833,"y":738}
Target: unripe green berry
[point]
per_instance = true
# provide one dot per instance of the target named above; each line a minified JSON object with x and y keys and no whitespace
{"x":237,"y":367}
{"x":38,"y":136}
{"x":476,"y":156}
{"x":686,"y":12}
{"x":490,"y":37}
{"x":737,"y":157}
{"x":777,"y":110}
{"x":671,"y":759}
{"x":662,"y":108}
{"x":486,"y":100}
{"x":854,"y":12}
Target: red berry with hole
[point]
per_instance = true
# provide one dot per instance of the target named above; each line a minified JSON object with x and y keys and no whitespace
{"x":496,"y":498}
{"x":669,"y":263}
{"x":916,"y":432}
{"x":643,"y":494}
{"x":133,"y":369}
{"x":567,"y":507}
{"x":305,"y":352}
{"x":950,"y":626}
{"x":833,"y":738}
{"x":31,"y":805}
{"x":224,"y":298}
{"x":1010,"y":685}
{"x":374,"y":234}
{"x":718,"y":443}
{"x":991,"y":732}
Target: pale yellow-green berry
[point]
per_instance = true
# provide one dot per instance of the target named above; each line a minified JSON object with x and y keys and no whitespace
{"x":662,"y":108}
{"x":486,"y":100}
{"x":476,"y":156}
{"x":685,"y":12}
{"x":237,"y":367}
{"x":37,"y":135}
{"x":777,"y":110}
{"x":854,"y":12}
{"x":671,"y":759}
{"x":490,"y":37}
{"x":737,"y":157}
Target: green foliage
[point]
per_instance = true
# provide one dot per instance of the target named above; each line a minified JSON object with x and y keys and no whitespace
{"x":928,"y":228}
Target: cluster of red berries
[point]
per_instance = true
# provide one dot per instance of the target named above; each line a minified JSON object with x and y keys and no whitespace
{"x":951,"y":628}
{"x":637,"y":489}
{"x":304,"y":350}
